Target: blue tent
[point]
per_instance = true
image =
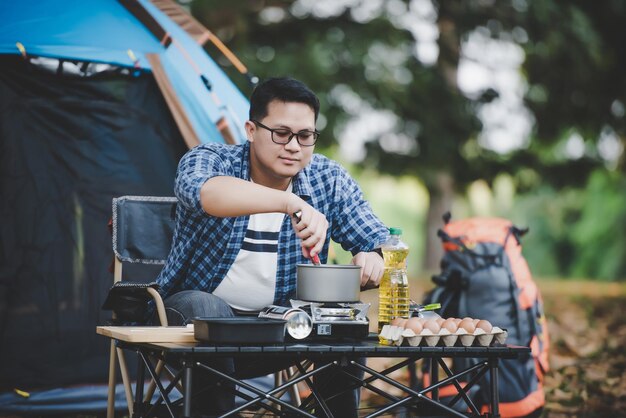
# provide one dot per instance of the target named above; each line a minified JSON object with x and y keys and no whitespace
{"x":111,"y":32}
{"x":98,"y":99}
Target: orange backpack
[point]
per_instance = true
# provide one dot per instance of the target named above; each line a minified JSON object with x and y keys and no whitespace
{"x":485,"y":276}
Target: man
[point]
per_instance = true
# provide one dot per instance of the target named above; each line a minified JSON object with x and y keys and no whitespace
{"x":237,"y":244}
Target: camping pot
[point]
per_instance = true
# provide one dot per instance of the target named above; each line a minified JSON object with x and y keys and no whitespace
{"x":328,"y":283}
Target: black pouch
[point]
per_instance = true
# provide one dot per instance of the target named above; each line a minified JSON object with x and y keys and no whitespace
{"x":129,"y":301}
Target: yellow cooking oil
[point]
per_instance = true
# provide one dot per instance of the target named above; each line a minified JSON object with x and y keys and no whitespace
{"x":384,"y":304}
{"x":393,"y":296}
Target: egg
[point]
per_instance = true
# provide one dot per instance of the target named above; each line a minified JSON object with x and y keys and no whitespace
{"x":475,"y":321}
{"x":450,"y":325}
{"x":468,"y":325}
{"x":415,"y":324}
{"x":432,"y":325}
{"x":440,"y":321}
{"x":484,"y":325}
{"x":457,"y":321}
{"x":398,"y":322}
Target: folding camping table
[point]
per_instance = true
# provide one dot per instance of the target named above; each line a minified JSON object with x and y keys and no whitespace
{"x":338,"y":355}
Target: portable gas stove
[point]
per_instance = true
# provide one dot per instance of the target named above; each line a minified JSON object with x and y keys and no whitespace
{"x":336,"y":320}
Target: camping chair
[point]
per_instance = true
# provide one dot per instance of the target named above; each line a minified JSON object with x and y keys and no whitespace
{"x":143,"y":228}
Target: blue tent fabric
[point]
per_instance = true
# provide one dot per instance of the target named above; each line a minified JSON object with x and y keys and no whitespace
{"x":97,"y":30}
{"x":231,"y":99}
{"x":93,"y":398}
{"x":104,"y":31}
{"x":202,"y":113}
{"x":79,"y":399}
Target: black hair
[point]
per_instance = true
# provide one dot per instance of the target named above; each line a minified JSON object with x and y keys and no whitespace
{"x":283,"y":89}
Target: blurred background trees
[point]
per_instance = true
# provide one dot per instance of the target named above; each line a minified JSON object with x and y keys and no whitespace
{"x":511,"y":108}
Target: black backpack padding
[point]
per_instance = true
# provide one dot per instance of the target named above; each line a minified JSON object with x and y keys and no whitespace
{"x":484,"y":276}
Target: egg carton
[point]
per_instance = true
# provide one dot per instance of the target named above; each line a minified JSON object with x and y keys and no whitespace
{"x":397,"y":336}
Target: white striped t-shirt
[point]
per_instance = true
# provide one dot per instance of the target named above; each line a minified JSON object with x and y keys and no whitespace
{"x":250,"y":283}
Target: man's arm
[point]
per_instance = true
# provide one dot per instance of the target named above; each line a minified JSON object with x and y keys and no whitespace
{"x":226,"y":196}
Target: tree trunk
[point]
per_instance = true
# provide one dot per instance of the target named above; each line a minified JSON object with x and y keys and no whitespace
{"x":441,"y":192}
{"x":441,"y":185}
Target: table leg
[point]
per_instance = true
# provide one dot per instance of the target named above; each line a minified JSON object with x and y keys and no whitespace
{"x":434,"y":373}
{"x":412,"y":375}
{"x":261,"y":395}
{"x":187,"y":388}
{"x":495,"y":396}
{"x":413,"y":395}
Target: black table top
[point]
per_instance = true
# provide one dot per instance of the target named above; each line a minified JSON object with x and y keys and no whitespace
{"x":362,"y":348}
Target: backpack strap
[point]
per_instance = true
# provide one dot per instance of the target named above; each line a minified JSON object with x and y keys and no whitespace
{"x":520,"y":314}
{"x":455,"y":240}
{"x":518,"y":233}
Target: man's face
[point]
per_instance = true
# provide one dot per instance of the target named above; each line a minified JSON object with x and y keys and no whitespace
{"x":272,"y":164}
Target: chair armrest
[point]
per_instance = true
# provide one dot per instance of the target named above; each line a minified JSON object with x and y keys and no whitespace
{"x":160,"y":306}
{"x":129,"y":301}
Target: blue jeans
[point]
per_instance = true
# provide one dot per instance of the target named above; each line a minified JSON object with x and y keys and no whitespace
{"x":182,"y":307}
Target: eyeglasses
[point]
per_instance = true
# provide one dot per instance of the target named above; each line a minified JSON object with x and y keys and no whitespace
{"x":283,"y":136}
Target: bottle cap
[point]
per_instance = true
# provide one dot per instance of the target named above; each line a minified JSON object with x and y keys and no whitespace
{"x":395,"y":231}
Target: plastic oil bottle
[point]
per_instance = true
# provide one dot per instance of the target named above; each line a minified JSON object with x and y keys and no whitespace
{"x":394,"y":287}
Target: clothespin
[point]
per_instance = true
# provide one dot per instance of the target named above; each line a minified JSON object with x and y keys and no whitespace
{"x":22,"y":50}
{"x":206,"y":82}
{"x":133,"y":58}
{"x":22,"y":393}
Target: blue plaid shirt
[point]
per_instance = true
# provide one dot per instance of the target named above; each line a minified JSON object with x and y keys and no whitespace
{"x":206,"y":246}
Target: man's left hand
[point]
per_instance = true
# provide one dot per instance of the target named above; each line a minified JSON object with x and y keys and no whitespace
{"x":372,"y":268}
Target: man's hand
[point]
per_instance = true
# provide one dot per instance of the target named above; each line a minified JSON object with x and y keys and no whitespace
{"x":372,"y":268}
{"x":312,"y":227}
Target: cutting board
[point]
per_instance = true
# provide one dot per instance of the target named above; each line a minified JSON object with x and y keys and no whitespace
{"x":149,"y":334}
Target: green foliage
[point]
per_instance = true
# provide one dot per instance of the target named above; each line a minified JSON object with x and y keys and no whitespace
{"x":549,"y":215}
{"x":575,"y":57}
{"x":375,"y":59}
{"x":576,"y":233}
{"x":598,"y":234}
